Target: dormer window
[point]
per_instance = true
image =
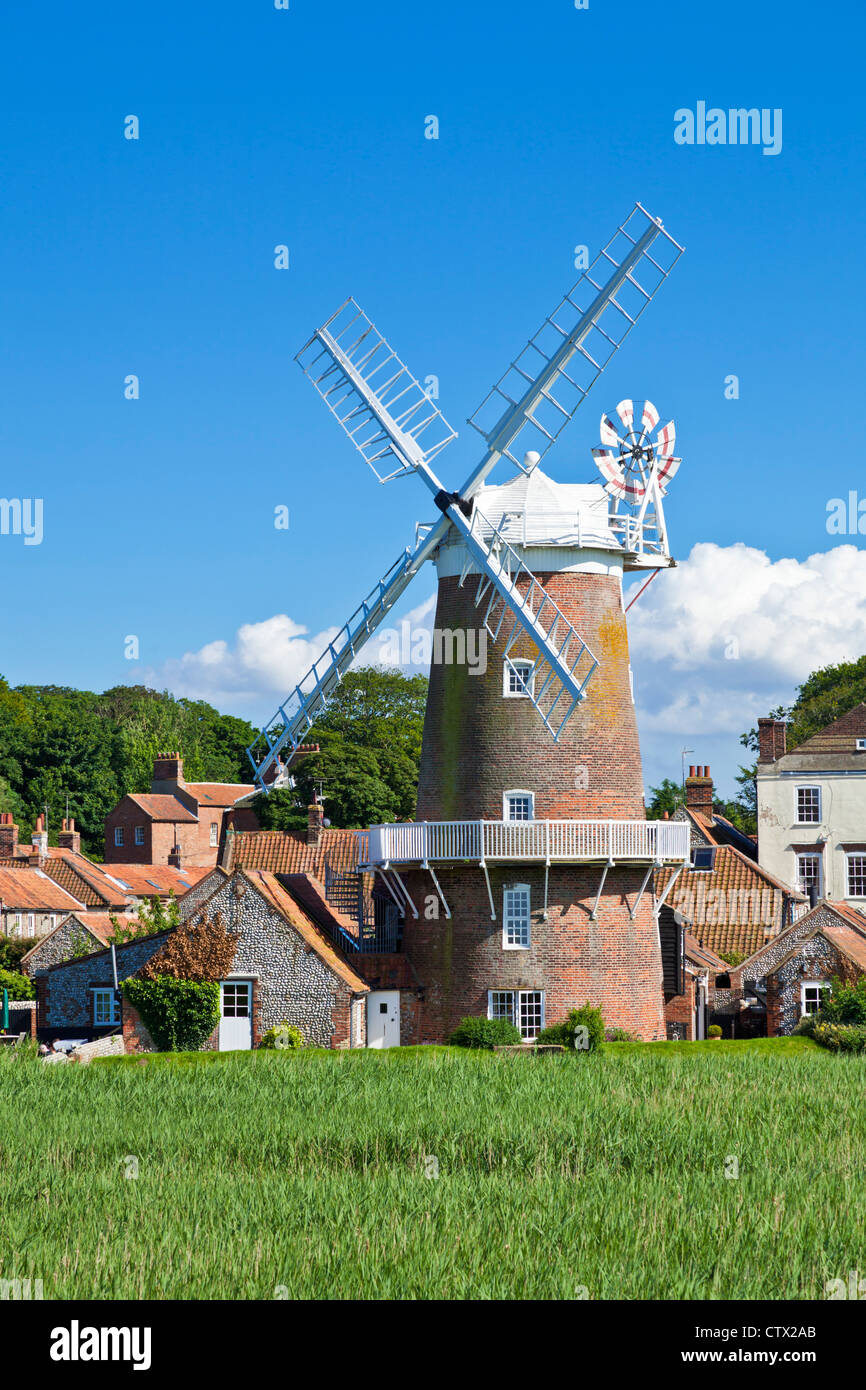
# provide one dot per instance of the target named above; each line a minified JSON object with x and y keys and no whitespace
{"x":860,"y":745}
{"x":704,"y":857}
{"x":518,"y":681}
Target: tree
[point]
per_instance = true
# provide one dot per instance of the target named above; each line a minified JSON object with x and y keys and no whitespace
{"x":666,"y":797}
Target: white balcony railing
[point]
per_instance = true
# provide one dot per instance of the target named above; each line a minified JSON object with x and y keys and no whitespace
{"x":575,"y":841}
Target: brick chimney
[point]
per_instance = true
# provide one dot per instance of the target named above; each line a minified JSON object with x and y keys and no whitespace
{"x":8,"y":836}
{"x":69,"y":837}
{"x":699,"y":790}
{"x":771,"y":740}
{"x":167,"y":773}
{"x":39,"y":839}
{"x":315,"y":823}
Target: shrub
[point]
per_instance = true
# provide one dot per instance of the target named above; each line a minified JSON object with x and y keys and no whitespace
{"x":19,"y":986}
{"x":621,"y":1035}
{"x":568,"y":1035}
{"x":840,"y":1037}
{"x":714,"y":1031}
{"x":846,"y":1003}
{"x":485,"y":1032}
{"x":283,"y":1035}
{"x":179,"y":1014}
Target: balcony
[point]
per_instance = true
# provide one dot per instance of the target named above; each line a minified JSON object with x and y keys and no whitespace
{"x":536,"y":841}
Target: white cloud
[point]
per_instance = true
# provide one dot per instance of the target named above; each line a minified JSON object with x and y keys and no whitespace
{"x":729,"y":632}
{"x":266,"y":659}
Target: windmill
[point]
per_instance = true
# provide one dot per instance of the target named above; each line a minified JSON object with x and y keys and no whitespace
{"x":398,"y":431}
{"x":637,"y":470}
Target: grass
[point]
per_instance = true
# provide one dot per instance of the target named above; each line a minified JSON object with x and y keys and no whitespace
{"x":262,"y":1175}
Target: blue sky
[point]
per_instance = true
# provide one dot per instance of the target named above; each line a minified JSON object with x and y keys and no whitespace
{"x":260,"y":127}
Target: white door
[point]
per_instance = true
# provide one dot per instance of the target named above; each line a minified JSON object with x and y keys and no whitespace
{"x":383,"y":1018}
{"x":236,"y":1016}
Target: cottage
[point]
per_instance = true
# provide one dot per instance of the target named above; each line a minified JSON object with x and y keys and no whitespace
{"x":78,"y":934}
{"x":32,"y":904}
{"x":285,"y":969}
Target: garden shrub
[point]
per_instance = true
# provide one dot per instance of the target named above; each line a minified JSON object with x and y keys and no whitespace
{"x":846,"y":1003}
{"x":840,"y":1037}
{"x":621,"y":1035}
{"x":180,"y":1015}
{"x":19,"y":986}
{"x":567,"y":1033}
{"x":714,"y":1030}
{"x":283,"y":1035}
{"x":485,"y":1032}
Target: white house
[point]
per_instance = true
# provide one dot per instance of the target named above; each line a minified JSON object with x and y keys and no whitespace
{"x":812,"y":808}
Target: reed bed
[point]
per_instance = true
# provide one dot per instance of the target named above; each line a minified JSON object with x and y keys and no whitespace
{"x":642,"y":1173}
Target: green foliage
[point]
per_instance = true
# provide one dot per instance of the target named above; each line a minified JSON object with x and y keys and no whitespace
{"x":621,"y":1035}
{"x":58,"y":743}
{"x":840,"y":1037}
{"x":19,"y":986}
{"x":714,"y":1031}
{"x":13,"y":949}
{"x":153,"y":916}
{"x":846,"y":1003}
{"x":666,"y":797}
{"x":284,"y":1036}
{"x":582,"y":1030}
{"x":485,"y":1033}
{"x":180,"y":1015}
{"x":376,"y":708}
{"x":732,"y":957}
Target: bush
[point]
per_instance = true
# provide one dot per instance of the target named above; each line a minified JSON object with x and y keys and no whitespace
{"x":621,"y":1035}
{"x":179,"y":1014}
{"x":714,"y":1031}
{"x":485,"y":1032}
{"x":846,"y":1003}
{"x":283,"y":1035}
{"x":568,"y":1034}
{"x":19,"y":986}
{"x":840,"y":1037}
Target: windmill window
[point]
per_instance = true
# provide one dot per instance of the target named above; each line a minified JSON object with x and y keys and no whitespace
{"x":516,"y":922}
{"x":808,"y":805}
{"x":524,"y":1007}
{"x":856,"y":875}
{"x":518,"y":806}
{"x":518,"y":680}
{"x":809,"y":873}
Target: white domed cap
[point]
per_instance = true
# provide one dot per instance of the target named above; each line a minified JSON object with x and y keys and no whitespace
{"x":533,"y":510}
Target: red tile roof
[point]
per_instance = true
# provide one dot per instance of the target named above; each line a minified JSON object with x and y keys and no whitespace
{"x":31,"y":890}
{"x":157,"y":880}
{"x":219,"y":793}
{"x":163,"y":808}
{"x":86,"y":881}
{"x":726,"y":906}
{"x":287,"y":851}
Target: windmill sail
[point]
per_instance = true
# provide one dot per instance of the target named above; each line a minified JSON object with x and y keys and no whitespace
{"x":386,"y":413}
{"x":296,"y":715}
{"x":582,"y":334}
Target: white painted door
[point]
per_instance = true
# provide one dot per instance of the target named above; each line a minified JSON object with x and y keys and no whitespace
{"x":236,"y":1016}
{"x":383,"y":1018}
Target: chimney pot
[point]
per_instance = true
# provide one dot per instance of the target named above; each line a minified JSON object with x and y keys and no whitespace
{"x":699,"y":790}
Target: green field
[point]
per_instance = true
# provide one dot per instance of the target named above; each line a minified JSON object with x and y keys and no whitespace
{"x":263,"y":1175}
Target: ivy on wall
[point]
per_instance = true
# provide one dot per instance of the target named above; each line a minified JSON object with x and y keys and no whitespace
{"x":180,"y":1015}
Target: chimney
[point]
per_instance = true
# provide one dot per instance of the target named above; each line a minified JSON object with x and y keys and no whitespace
{"x":167,"y":773}
{"x":699,"y":790}
{"x":69,"y":837}
{"x":315,"y":823}
{"x":39,"y":838}
{"x":8,"y":836}
{"x":771,"y":740}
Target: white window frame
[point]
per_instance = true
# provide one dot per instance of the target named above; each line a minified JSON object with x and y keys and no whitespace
{"x":214,"y":834}
{"x":855,"y":854}
{"x":31,"y":923}
{"x":506,"y":808}
{"x":517,"y":913}
{"x":514,"y":1004}
{"x":807,"y":787}
{"x":821,"y":985}
{"x":118,"y":837}
{"x":99,"y":992}
{"x":510,"y":669}
{"x":818,"y":856}
{"x":139,"y":835}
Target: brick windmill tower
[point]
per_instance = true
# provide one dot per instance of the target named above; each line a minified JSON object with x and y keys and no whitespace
{"x":526,"y":877}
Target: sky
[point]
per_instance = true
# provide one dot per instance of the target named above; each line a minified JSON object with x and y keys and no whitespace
{"x":306,"y":127}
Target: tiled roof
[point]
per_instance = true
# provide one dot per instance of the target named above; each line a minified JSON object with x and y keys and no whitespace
{"x":849,"y":942}
{"x":287,"y":851}
{"x":31,"y":890}
{"x":851,"y":914}
{"x":837,"y":737}
{"x":724,"y":938}
{"x":97,"y":923}
{"x":163,"y":808}
{"x":219,"y":793}
{"x":280,"y":899}
{"x":156,"y":880}
{"x":86,"y":881}
{"x":702,"y":956}
{"x":727,"y":905}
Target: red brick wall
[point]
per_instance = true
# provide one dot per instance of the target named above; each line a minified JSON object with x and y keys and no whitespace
{"x":159,"y":837}
{"x":478,"y":744}
{"x":613,"y":963}
{"x":680,"y":1008}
